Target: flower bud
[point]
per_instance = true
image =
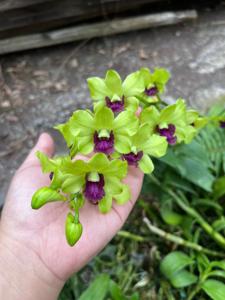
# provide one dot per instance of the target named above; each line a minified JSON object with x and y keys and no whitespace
{"x":73,"y":230}
{"x":45,"y":195}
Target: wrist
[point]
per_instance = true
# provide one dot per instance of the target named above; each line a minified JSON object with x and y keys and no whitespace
{"x":23,"y":275}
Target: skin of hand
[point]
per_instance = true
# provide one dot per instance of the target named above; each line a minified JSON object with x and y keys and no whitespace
{"x":34,"y":255}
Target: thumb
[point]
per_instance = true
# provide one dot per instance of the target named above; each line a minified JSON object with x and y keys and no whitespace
{"x":44,"y":144}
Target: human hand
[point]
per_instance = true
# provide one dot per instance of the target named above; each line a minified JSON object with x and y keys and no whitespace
{"x":34,"y":241}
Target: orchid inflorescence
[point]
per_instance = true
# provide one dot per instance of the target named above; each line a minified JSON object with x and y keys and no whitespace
{"x":129,"y":124}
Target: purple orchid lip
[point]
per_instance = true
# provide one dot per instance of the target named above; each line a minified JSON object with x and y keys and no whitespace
{"x":104,"y":144}
{"x":222,"y":124}
{"x":51,"y":175}
{"x":151,"y":92}
{"x":132,"y":158}
{"x":168,"y":133}
{"x":116,"y":106}
{"x":94,"y":191}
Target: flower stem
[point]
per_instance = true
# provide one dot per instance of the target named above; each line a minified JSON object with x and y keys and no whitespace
{"x":129,"y":235}
{"x":194,"y":292}
{"x":179,"y":240}
{"x":216,"y":236}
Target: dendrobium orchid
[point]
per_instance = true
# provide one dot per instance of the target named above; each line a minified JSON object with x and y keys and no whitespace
{"x":100,"y":131}
{"x":171,"y":123}
{"x":114,"y":93}
{"x":115,"y":136}
{"x":144,"y":145}
{"x":154,"y":84}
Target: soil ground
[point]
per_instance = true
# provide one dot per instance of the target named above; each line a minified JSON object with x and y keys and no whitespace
{"x":41,"y":88}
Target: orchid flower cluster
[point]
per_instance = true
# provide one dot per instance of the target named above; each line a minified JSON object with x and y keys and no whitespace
{"x":128,"y":125}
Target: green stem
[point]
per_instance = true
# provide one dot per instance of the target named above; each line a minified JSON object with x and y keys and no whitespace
{"x":194,"y":292}
{"x":179,"y":240}
{"x":132,"y":236}
{"x":76,"y":211}
{"x":216,"y":236}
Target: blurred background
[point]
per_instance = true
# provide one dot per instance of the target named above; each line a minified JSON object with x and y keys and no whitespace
{"x":41,"y":86}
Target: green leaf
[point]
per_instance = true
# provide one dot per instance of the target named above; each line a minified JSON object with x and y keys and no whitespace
{"x":98,"y":288}
{"x":115,"y":291}
{"x":73,"y":230}
{"x":185,"y":164}
{"x":174,"y":262}
{"x":219,"y":224}
{"x":208,"y":203}
{"x":146,"y":164}
{"x":169,"y":216}
{"x":135,"y":296}
{"x":219,"y":187}
{"x":45,"y":195}
{"x":182,"y":279}
{"x":114,"y":82}
{"x":214,"y":289}
{"x":98,"y":88}
{"x":217,"y":273}
{"x":219,"y":264}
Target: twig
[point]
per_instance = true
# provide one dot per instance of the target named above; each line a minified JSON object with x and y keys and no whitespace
{"x":180,"y":241}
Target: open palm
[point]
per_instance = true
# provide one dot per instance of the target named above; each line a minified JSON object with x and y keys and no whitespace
{"x":42,"y":231}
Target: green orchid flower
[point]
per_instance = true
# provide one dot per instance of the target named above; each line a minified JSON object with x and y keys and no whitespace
{"x":50,"y":193}
{"x":195,"y":120}
{"x":154,"y":84}
{"x":144,"y":145}
{"x":171,"y":123}
{"x":114,"y":93}
{"x":98,"y":179}
{"x":100,"y":131}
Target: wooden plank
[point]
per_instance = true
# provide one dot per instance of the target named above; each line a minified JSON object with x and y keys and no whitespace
{"x":72,"y":34}
{"x":6,"y":5}
{"x":13,"y":4}
{"x":56,"y":13}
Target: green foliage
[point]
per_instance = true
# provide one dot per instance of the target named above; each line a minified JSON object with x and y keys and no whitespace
{"x":98,"y":289}
{"x":173,"y":267}
{"x":214,"y":288}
